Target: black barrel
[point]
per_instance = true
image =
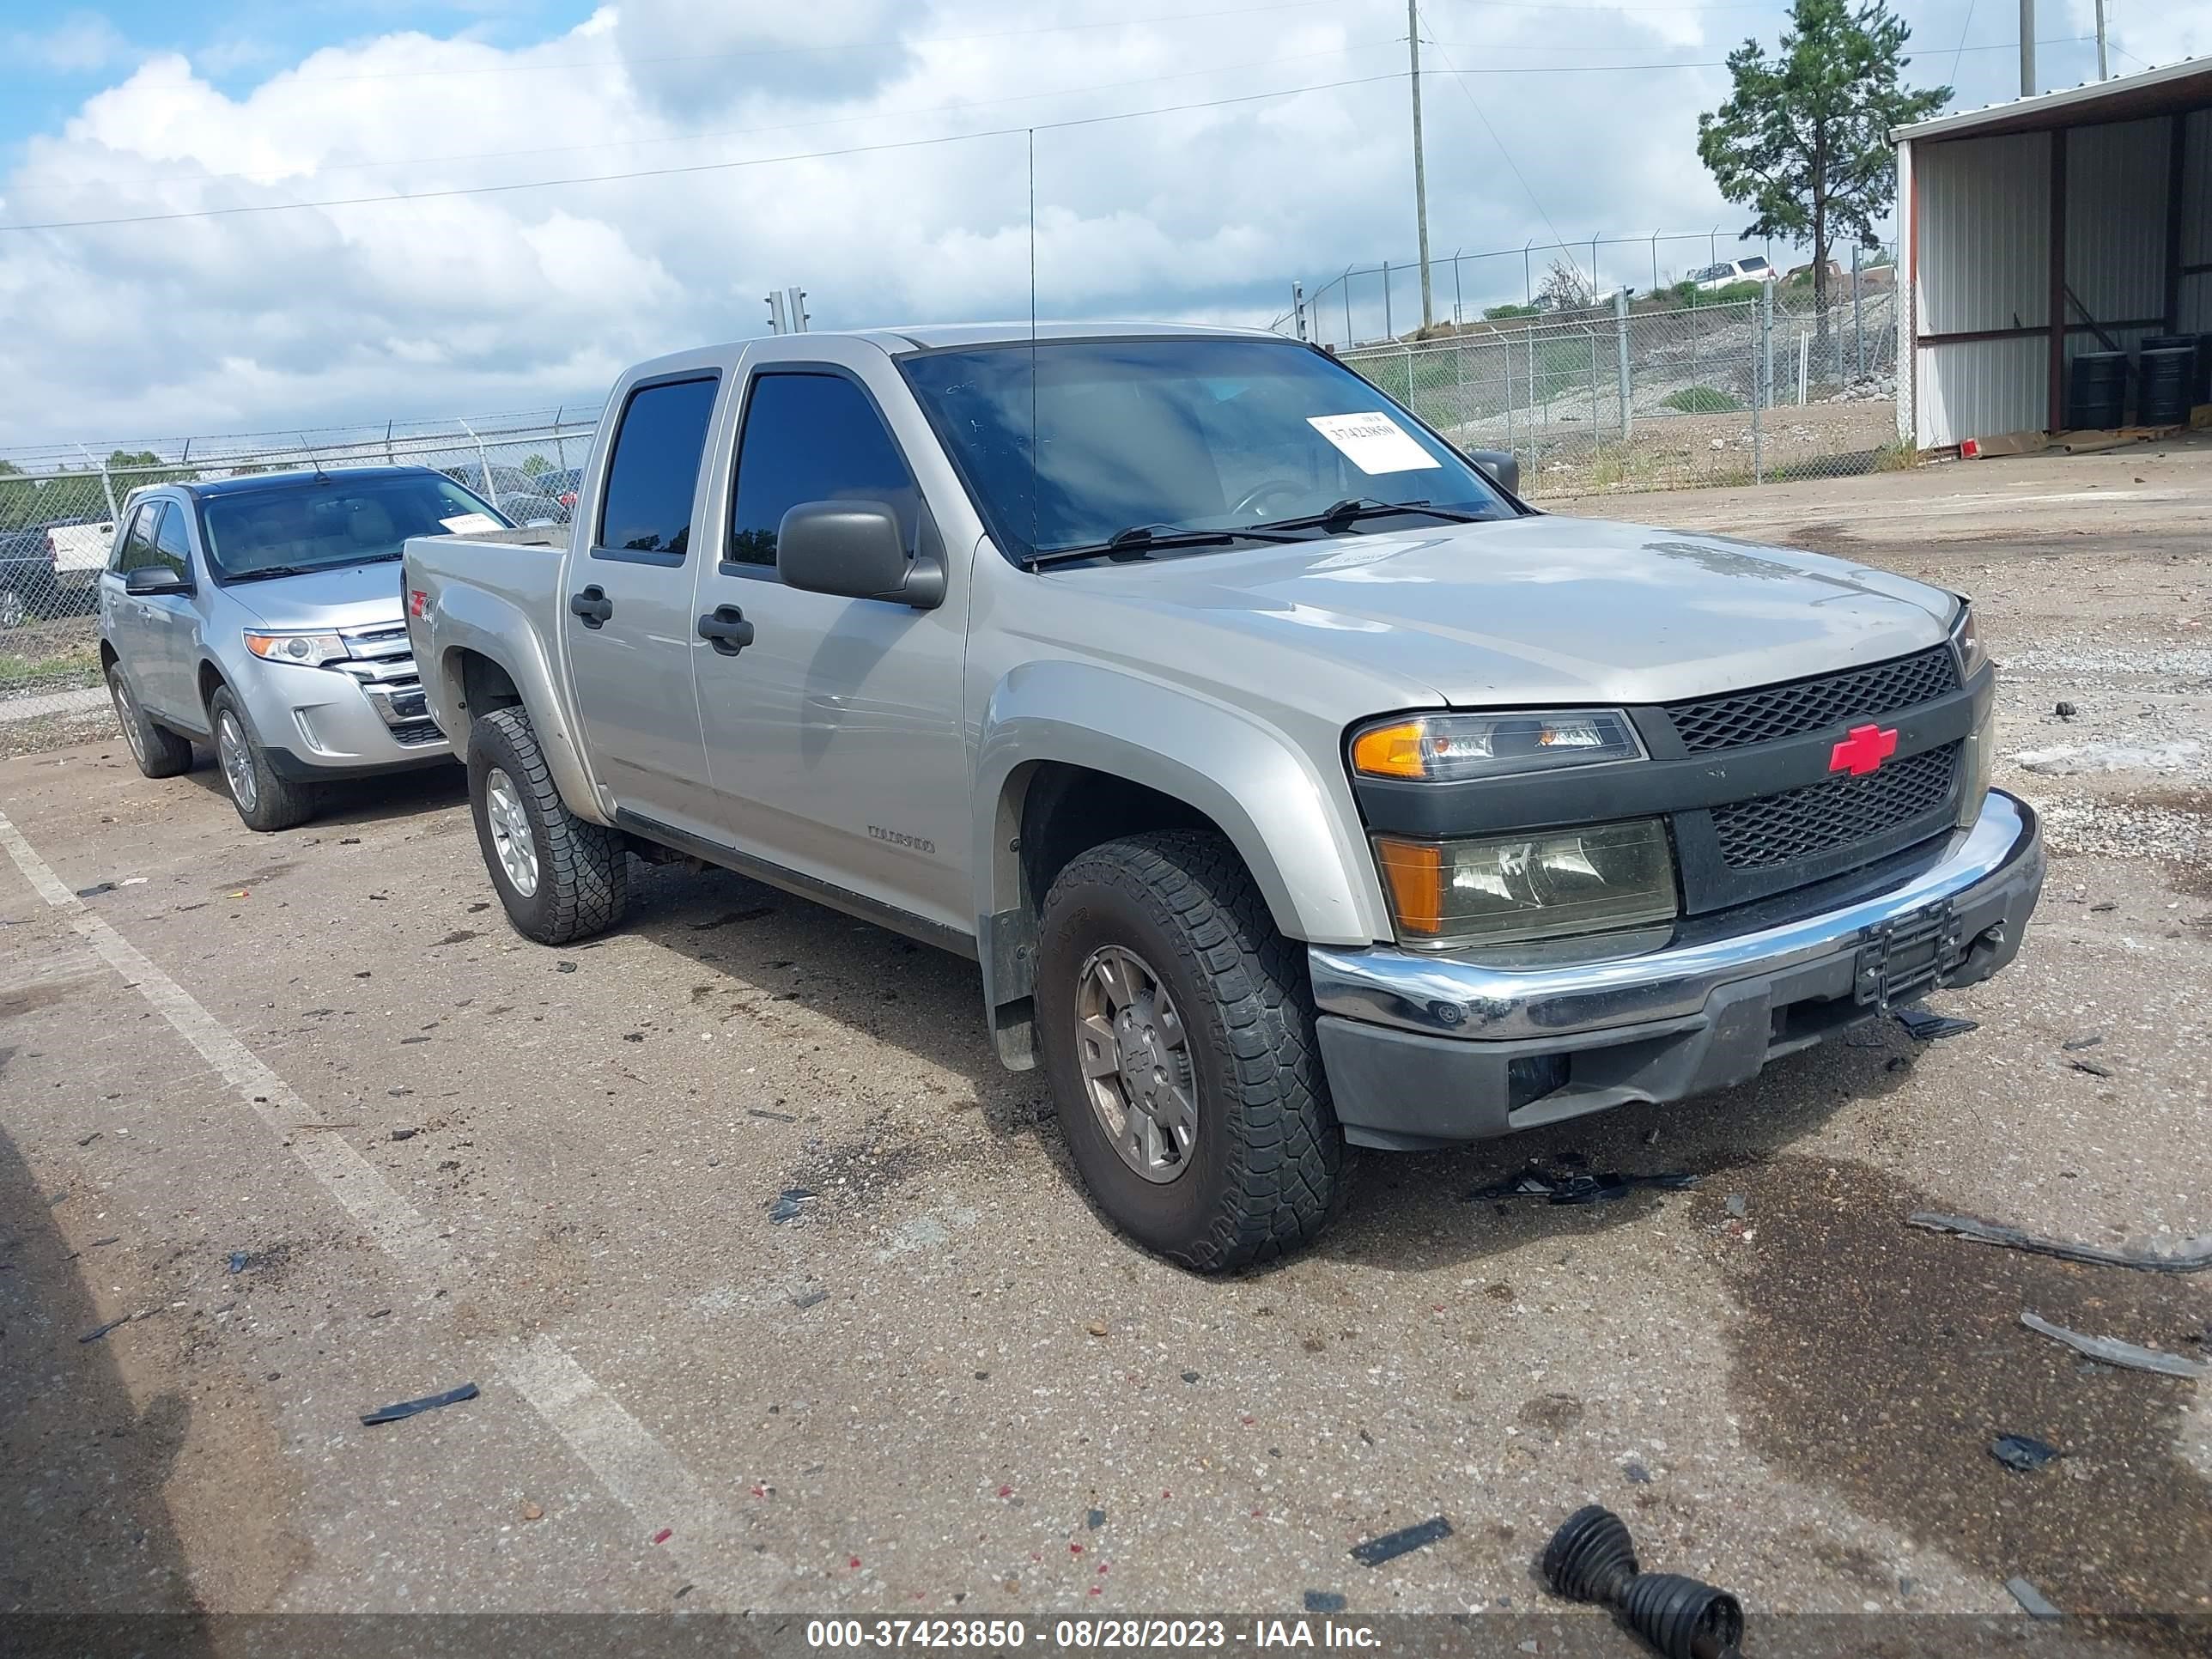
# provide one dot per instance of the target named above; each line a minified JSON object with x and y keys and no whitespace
{"x":2097,"y":393}
{"x":2167,"y":386}
{"x":2204,"y":368}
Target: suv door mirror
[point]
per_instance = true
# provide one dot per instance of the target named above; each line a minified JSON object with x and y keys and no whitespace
{"x":149,"y":579}
{"x":855,"y":549}
{"x":1501,"y":465}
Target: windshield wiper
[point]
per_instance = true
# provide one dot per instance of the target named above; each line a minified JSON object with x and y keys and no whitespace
{"x":1346,"y":513}
{"x":267,"y":570}
{"x":1138,"y":540}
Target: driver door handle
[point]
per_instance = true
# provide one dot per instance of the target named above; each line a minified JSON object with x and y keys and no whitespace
{"x":727,"y":628}
{"x":592,"y":605}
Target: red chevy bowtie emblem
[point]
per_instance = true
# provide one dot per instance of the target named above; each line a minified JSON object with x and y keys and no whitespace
{"x":1863,"y":751}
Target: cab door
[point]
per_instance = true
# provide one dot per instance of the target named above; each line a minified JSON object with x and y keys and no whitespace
{"x":626,"y":620}
{"x":833,"y":729}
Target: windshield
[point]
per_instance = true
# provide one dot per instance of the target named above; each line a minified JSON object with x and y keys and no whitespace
{"x":1191,"y":434}
{"x":321,"y":523}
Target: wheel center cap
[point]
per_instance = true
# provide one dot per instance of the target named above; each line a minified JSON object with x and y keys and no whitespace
{"x":1146,"y":1063}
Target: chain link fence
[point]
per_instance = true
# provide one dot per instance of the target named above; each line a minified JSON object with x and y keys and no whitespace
{"x":1740,"y":390}
{"x":59,"y":505}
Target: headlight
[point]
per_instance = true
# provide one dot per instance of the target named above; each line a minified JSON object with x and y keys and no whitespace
{"x":308,"y":650}
{"x":1966,"y":641}
{"x":1452,"y":748}
{"x":1977,"y":761}
{"x":1528,"y":887}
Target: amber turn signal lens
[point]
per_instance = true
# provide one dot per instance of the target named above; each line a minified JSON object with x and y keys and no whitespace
{"x":1415,"y":873}
{"x":1390,"y":752}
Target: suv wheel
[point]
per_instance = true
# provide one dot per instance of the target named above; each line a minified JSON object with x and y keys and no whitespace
{"x":559,"y":877}
{"x":264,"y":800}
{"x":14,"y":610}
{"x":1177,"y":1030}
{"x":159,"y":752}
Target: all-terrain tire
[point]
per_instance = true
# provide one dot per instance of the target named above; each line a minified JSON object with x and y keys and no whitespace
{"x":1268,"y":1169}
{"x":582,"y":876}
{"x":159,"y":752}
{"x":265,"y":801}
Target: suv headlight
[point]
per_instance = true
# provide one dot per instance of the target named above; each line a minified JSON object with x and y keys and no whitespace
{"x":306,"y":650}
{"x":1528,"y":886}
{"x":1966,"y":641}
{"x":1454,"y":748}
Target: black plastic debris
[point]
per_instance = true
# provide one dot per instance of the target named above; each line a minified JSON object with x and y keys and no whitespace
{"x":1323,"y":1601}
{"x":1404,"y":1541}
{"x":1592,"y":1559}
{"x":564,"y":967}
{"x":428,"y":1402}
{"x":2111,"y":1351}
{"x":2194,"y":1255}
{"x":1190,"y":1376}
{"x":1923,"y":1026}
{"x":1095,"y":1519}
{"x":772,"y":1117}
{"x":2099,"y":910}
{"x":2023,"y":1453}
{"x":87,"y":1140}
{"x":94,"y":890}
{"x":2065,"y":711}
{"x":790,"y":1204}
{"x":95,"y":1335}
{"x":239,"y":1258}
{"x":2091,"y":1067}
{"x":403,"y":1135}
{"x":1635,"y":1474}
{"x":2074,"y":1045}
{"x":806,"y":1299}
{"x":2031,"y":1599}
{"x":1565,"y":1182}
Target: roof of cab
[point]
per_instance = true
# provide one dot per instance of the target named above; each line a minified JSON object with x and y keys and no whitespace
{"x":252,"y":482}
{"x":937,"y":336}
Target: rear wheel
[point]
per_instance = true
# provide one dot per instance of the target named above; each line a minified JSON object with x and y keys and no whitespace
{"x":267,"y":801}
{"x":159,"y":752}
{"x":558,"y":877}
{"x":14,"y":609}
{"x":1177,"y":1030}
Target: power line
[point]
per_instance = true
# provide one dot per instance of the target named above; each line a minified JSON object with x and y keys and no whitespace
{"x":729,"y":132}
{"x":693,"y":167}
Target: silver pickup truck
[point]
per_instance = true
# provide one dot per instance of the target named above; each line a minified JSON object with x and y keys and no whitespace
{"x":1293,"y":783}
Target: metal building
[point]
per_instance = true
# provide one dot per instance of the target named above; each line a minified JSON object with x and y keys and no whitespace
{"x":2033,"y":231}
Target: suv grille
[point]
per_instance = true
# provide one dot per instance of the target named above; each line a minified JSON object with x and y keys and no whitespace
{"x":1787,"y":711}
{"x":1800,"y":822}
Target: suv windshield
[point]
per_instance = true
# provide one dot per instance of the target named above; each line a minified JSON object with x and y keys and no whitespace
{"x":1179,"y":434}
{"x":323,"y":523}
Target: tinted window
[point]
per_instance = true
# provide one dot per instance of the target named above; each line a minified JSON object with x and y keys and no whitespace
{"x":1756,"y":264}
{"x":173,"y":543}
{"x":324,"y":522}
{"x":655,"y":469}
{"x":812,"y":438}
{"x":137,"y":549}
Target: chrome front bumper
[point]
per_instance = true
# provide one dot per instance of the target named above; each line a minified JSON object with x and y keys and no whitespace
{"x":1422,"y":1049}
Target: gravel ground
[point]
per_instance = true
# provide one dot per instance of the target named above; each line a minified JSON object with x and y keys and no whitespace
{"x":940,"y":1386}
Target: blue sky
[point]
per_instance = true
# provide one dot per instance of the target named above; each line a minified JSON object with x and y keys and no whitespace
{"x":512,"y":300}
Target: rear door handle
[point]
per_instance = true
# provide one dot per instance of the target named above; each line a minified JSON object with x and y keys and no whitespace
{"x":592,"y":605}
{"x":727,"y":628}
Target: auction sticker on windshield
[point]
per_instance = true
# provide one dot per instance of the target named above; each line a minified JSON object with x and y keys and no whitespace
{"x":1373,"y":442}
{"x":463,"y":523}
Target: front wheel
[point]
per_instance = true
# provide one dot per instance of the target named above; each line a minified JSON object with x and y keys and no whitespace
{"x":558,"y":877}
{"x":267,"y":801}
{"x":1177,"y":1030}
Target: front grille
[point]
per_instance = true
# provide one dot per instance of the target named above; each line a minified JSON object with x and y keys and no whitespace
{"x":1755,"y":835}
{"x":1789,"y":711}
{"x":422,"y":731}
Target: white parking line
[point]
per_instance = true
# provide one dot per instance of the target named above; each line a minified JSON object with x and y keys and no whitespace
{"x":651,"y":1481}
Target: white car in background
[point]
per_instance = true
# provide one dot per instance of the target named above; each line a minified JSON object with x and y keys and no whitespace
{"x":1728,"y":272}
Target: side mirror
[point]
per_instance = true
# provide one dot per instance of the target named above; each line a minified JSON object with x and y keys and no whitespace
{"x":854,"y":548}
{"x":1501,"y":465}
{"x":149,"y":579}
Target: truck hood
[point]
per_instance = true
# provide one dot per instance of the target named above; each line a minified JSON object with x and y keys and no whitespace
{"x":1544,"y":607}
{"x":351,"y":595}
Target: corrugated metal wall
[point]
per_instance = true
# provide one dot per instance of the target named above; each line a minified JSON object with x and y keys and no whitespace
{"x":2116,"y":204}
{"x":1981,"y":210}
{"x":1984,"y":261}
{"x":2197,"y":224}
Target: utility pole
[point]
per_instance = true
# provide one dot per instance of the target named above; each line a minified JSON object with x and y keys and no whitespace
{"x":1421,"y":166}
{"x":2027,"y":48}
{"x":2102,"y":72}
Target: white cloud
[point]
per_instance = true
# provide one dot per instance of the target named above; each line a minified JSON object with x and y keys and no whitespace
{"x":76,"y":43}
{"x":477,"y":302}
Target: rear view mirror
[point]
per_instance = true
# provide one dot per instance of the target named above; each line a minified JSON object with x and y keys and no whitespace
{"x":1500,"y":465}
{"x":855,"y":549}
{"x":152,"y":579}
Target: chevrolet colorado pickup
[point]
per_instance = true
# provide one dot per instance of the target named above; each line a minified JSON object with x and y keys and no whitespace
{"x":1293,"y":783}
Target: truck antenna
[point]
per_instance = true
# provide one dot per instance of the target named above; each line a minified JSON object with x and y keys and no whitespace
{"x":1034,"y":508}
{"x":315,"y":460}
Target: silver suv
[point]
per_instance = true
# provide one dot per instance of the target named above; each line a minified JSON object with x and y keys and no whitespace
{"x":262,"y":615}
